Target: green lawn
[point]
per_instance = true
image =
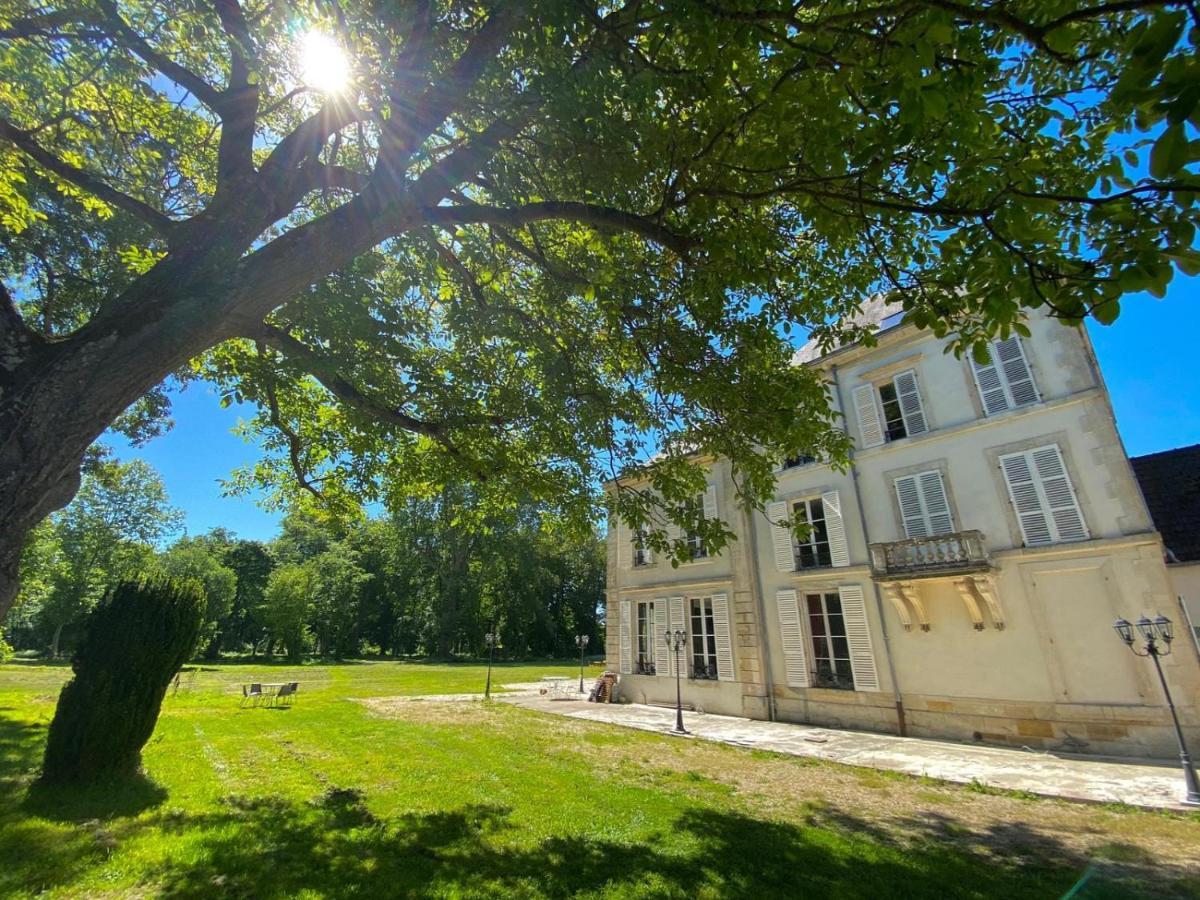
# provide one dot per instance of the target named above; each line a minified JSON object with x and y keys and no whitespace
{"x":341,"y":797}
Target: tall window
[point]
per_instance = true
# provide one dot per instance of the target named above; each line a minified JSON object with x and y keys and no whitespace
{"x":812,"y":550}
{"x":794,"y":461}
{"x":831,"y":650}
{"x":646,"y":637}
{"x":641,"y":553}
{"x":893,"y":415}
{"x":695,"y":542}
{"x":704,"y":639}
{"x":890,"y":410}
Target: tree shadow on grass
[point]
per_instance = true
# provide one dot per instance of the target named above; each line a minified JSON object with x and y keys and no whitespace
{"x":336,"y":847}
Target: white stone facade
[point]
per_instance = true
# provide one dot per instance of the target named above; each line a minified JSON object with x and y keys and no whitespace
{"x":962,"y":576}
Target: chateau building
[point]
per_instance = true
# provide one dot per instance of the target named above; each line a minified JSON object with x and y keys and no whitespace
{"x":959,"y":580}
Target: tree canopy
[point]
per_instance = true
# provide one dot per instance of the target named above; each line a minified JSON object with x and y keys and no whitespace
{"x":530,"y":243}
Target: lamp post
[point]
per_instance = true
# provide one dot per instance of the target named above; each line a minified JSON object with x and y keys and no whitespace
{"x":492,"y":639}
{"x":1161,"y":630}
{"x":581,"y":641}
{"x":675,"y":641}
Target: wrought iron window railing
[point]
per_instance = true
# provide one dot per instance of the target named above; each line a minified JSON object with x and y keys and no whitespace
{"x":644,"y":667}
{"x":827,"y":678}
{"x":704,"y":671}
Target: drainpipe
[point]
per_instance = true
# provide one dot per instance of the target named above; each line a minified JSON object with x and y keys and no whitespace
{"x":757,"y":588}
{"x":901,"y":723}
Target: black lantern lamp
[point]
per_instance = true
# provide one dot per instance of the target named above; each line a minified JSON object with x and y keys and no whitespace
{"x":1156,"y":637}
{"x":581,"y":641}
{"x":492,"y":639}
{"x":675,"y":641}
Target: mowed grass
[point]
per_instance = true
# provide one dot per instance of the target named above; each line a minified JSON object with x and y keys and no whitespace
{"x":355,"y":793}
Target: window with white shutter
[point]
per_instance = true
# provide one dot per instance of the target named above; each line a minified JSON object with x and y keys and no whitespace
{"x":720,"y":605}
{"x":909,"y":398}
{"x":642,"y":555}
{"x":781,"y":537}
{"x":646,"y":644}
{"x":662,"y":653}
{"x":858,"y":636}
{"x":677,"y":624}
{"x":870,"y":426}
{"x":795,"y":661}
{"x":924,"y":506}
{"x":1043,"y":497}
{"x":891,"y":410}
{"x":1006,"y":380}
{"x":626,"y":638}
{"x":703,"y":639}
{"x":835,"y":525}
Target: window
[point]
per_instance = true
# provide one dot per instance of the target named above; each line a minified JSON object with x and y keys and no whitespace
{"x":923,"y":505}
{"x":831,"y":649}
{"x":1005,"y":381}
{"x":1043,"y":497}
{"x":890,"y":410}
{"x":695,"y":510}
{"x":704,"y":639}
{"x":793,"y":462}
{"x":812,"y":550}
{"x":647,"y":636}
{"x":893,"y":417}
{"x":641,"y":553}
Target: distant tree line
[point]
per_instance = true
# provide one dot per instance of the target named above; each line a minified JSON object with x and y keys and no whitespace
{"x":429,"y":578}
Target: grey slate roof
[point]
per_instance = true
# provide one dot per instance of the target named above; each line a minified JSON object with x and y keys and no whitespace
{"x":1171,"y":485}
{"x":873,"y":311}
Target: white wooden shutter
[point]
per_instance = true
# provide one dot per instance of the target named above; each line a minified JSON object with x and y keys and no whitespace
{"x":1007,"y":380}
{"x":910,"y":402}
{"x":1043,"y":497}
{"x":1066,"y":518}
{"x":858,"y":636}
{"x":678,"y":624}
{"x":923,"y":504}
{"x":870,"y":426}
{"x":781,"y":537}
{"x":795,"y":661}
{"x":624,"y":546}
{"x":662,"y":653}
{"x":720,"y":606}
{"x":835,"y":527}
{"x":626,"y":639}
{"x":937,"y":507}
{"x":1018,"y":378}
{"x":991,"y":386}
{"x":911,"y":511}
{"x":710,"y":502}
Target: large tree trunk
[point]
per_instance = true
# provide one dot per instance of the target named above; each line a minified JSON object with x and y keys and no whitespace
{"x":58,"y":396}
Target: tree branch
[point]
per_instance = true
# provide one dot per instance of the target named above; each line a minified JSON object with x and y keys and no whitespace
{"x":350,"y":394}
{"x":602,"y":217}
{"x":92,"y":184}
{"x":181,"y":75}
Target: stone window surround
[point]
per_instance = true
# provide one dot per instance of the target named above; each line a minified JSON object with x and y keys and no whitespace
{"x":941,"y":465}
{"x":1060,"y":438}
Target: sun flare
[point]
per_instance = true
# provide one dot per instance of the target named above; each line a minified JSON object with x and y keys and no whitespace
{"x":323,"y":64}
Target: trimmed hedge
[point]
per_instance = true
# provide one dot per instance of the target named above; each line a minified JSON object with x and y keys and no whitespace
{"x":134,"y":643}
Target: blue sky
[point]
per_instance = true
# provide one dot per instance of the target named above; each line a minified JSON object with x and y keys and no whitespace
{"x":1149,"y":358}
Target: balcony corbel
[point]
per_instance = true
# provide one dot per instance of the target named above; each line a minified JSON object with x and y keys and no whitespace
{"x":985,"y":587}
{"x":891,"y":590}
{"x":970,"y":601}
{"x":906,"y":600}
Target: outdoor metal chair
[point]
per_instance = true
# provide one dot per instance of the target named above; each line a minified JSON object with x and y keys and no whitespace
{"x":252,"y":693}
{"x":287,"y":693}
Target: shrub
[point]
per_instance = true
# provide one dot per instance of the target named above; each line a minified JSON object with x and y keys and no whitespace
{"x":134,"y":643}
{"x":6,"y":650}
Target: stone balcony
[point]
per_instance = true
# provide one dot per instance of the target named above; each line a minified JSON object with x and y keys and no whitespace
{"x":958,"y":553}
